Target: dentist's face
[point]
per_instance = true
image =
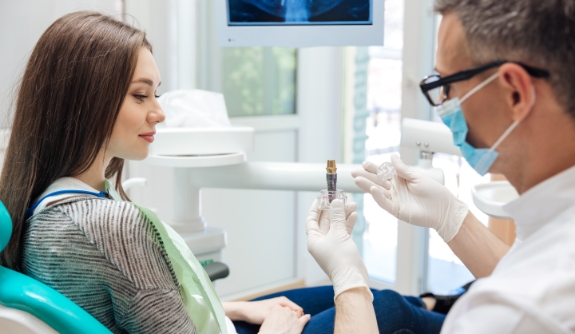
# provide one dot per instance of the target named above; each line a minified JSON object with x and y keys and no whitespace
{"x":140,"y":112}
{"x":484,"y":110}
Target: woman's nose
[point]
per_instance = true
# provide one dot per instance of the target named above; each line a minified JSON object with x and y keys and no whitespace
{"x":157,"y":115}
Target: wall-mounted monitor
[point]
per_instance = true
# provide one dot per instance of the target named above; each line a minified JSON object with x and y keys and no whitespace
{"x":299,"y":23}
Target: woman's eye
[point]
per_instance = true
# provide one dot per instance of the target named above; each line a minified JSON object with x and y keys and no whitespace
{"x":140,"y":97}
{"x":157,"y":96}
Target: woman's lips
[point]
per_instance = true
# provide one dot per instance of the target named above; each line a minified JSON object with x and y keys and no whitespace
{"x":149,"y":137}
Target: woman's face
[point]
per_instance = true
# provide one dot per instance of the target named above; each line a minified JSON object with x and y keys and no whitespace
{"x":140,"y":112}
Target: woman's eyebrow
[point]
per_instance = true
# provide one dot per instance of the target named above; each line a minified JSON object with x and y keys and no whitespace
{"x":147,"y":81}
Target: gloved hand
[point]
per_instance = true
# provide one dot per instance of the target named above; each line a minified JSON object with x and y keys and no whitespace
{"x":414,"y":197}
{"x":330,"y":244}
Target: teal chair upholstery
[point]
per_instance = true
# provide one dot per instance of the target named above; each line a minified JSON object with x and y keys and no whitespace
{"x":21,"y":292}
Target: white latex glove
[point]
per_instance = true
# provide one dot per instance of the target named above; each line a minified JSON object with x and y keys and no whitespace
{"x":330,"y":244}
{"x":414,"y":197}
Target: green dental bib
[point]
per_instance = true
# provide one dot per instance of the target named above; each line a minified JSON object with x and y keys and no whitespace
{"x":200,"y":299}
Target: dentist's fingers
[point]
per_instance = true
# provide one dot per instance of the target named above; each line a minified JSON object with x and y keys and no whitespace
{"x":312,"y":222}
{"x":337,"y":215}
{"x":369,"y":166}
{"x":320,"y":220}
{"x":402,"y":170}
{"x":313,"y":211}
{"x":363,"y":183}
{"x":370,"y":176}
{"x":366,"y":185}
{"x":350,"y":208}
{"x":383,"y":201}
{"x":350,"y":222}
{"x":324,"y":217}
{"x":324,"y":221}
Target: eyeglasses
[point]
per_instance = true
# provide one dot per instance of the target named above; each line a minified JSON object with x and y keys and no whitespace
{"x":436,"y":89}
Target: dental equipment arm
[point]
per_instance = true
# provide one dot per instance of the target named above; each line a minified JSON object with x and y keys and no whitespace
{"x":415,"y":198}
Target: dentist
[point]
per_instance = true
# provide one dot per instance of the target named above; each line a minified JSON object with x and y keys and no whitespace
{"x":504,"y":87}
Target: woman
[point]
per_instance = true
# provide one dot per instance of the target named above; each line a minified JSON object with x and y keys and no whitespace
{"x":87,"y":102}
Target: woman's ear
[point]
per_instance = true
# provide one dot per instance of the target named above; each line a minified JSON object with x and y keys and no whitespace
{"x":520,"y":89}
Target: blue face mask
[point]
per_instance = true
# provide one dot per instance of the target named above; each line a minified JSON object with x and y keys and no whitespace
{"x":481,"y":159}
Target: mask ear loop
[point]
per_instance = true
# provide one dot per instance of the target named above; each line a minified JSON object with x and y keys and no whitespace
{"x":506,"y":133}
{"x":503,"y":136}
{"x":513,"y":126}
{"x":478,"y":87}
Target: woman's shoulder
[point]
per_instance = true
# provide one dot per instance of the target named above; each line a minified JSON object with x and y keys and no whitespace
{"x":117,"y":221}
{"x":122,"y":234}
{"x":90,"y":212}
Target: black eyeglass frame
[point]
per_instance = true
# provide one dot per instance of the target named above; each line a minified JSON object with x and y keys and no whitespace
{"x":468,"y":74}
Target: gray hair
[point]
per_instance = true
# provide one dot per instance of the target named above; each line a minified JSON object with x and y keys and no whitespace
{"x":540,"y":33}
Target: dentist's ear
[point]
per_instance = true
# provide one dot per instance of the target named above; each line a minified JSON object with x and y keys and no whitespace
{"x":521,"y":89}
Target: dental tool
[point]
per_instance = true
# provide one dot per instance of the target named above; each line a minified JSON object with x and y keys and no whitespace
{"x":326,"y":196}
{"x":331,"y":176}
{"x":385,"y":171}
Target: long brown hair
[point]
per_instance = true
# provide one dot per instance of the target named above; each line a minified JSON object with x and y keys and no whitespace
{"x":69,"y":98}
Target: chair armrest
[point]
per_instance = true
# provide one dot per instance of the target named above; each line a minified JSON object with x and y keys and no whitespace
{"x":217,"y":270}
{"x":26,"y":294}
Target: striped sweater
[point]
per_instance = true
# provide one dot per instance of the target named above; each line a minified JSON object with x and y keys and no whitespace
{"x":104,"y":256}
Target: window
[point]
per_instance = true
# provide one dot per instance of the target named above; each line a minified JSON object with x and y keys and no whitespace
{"x":259,"y":80}
{"x":255,"y":81}
{"x":384,"y":82}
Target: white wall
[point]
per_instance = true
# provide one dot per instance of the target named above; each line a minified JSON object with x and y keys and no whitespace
{"x":22,"y":22}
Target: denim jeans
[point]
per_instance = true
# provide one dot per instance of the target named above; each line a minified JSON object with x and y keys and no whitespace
{"x":394,"y":312}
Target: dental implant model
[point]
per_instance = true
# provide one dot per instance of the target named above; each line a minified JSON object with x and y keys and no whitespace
{"x":331,"y":175}
{"x":385,"y":171}
{"x":326,"y":196}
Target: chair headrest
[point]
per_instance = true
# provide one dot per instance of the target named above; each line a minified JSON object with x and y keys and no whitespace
{"x":5,"y":226}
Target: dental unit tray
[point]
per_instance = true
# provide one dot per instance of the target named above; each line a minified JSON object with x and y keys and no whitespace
{"x":202,"y":141}
{"x":491,"y":197}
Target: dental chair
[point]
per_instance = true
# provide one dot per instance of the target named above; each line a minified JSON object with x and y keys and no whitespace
{"x":29,"y":306}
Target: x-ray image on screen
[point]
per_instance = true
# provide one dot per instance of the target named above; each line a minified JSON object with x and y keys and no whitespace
{"x":299,"y":12}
